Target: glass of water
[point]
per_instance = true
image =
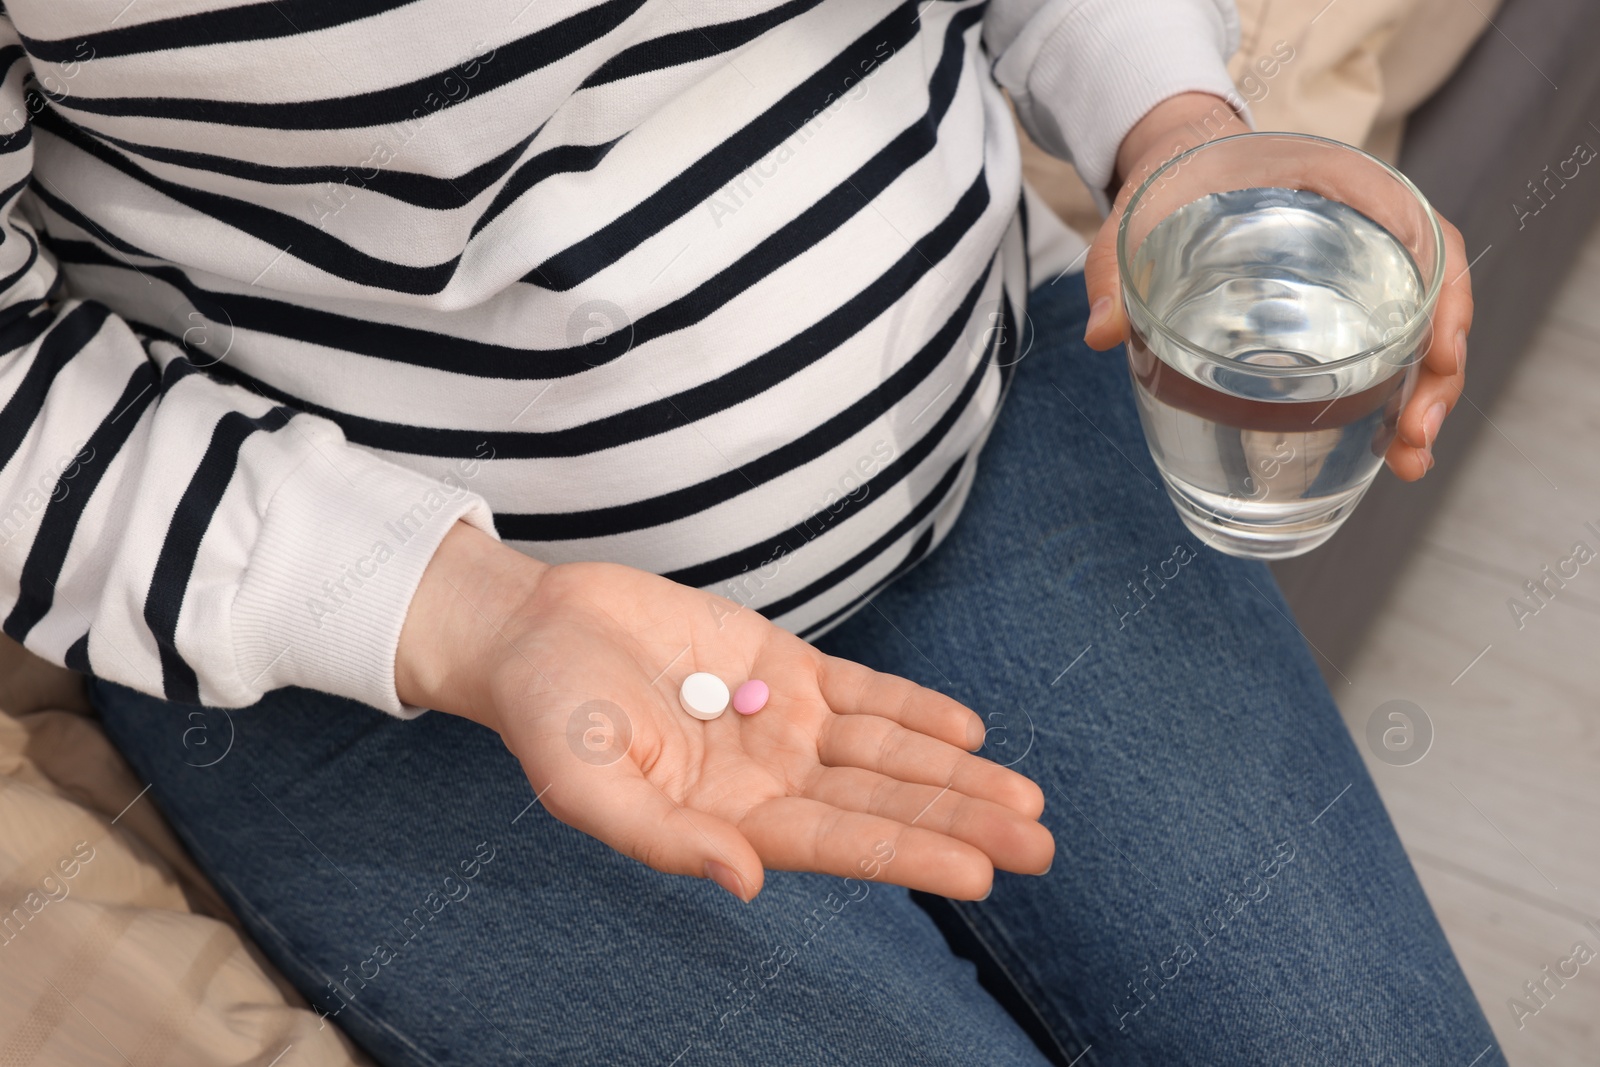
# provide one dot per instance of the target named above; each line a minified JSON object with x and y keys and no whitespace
{"x":1279,"y":290}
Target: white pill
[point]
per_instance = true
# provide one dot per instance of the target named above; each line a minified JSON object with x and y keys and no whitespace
{"x":705,"y":696}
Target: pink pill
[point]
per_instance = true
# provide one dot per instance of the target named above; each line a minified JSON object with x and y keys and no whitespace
{"x":751,"y":697}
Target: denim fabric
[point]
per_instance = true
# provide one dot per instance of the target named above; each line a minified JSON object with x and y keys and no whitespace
{"x":1227,"y":889}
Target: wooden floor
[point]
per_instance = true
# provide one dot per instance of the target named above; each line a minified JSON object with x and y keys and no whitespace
{"x":1502,"y":815}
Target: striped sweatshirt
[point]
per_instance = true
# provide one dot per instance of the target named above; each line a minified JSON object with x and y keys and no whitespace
{"x":728,"y":290}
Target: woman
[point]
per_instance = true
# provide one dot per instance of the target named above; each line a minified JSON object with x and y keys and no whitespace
{"x":518,"y":363}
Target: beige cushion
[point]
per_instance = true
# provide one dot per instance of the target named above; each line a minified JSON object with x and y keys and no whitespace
{"x":1356,"y":69}
{"x":113,"y":947}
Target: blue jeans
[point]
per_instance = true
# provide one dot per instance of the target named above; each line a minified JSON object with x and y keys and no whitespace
{"x":1227,"y":889}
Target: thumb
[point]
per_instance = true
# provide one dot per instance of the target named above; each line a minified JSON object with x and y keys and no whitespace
{"x":620,"y":807}
{"x":1108,"y":324}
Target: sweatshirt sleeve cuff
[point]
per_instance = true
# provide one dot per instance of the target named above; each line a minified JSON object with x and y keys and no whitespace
{"x":341,"y":552}
{"x":1082,"y":79}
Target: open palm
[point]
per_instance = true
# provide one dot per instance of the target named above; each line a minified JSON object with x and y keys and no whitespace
{"x":845,"y":771}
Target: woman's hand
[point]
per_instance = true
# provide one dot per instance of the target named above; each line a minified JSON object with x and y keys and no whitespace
{"x":1182,"y":122}
{"x":845,"y":771}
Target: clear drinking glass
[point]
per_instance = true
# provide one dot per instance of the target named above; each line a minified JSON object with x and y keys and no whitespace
{"x":1279,"y":290}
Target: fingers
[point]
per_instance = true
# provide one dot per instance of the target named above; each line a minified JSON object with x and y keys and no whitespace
{"x":876,"y":744}
{"x":1108,"y":322}
{"x":800,"y":834}
{"x":1408,"y":463}
{"x":1433,"y":399}
{"x":1443,"y":374}
{"x":618,"y":806}
{"x":851,"y":689}
{"x":1012,"y":842}
{"x":1452,"y":316}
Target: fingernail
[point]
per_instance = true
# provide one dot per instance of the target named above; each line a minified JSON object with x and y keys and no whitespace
{"x":726,"y":877}
{"x":1099,"y":311}
{"x":1046,"y":870}
{"x":1431,"y":423}
{"x":1427,"y":458}
{"x":1461,"y":350}
{"x":987,"y":895}
{"x":975,"y":735}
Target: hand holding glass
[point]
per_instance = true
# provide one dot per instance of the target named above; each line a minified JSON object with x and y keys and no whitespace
{"x":1279,"y":290}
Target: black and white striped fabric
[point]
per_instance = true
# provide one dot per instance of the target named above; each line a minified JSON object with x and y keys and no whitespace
{"x":724,"y":290}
